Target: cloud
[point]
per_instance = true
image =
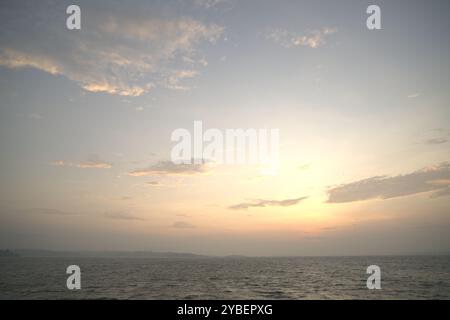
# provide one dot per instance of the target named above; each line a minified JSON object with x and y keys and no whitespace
{"x":266,"y":203}
{"x":117,"y":51}
{"x":167,"y":168}
{"x":90,"y":164}
{"x":174,"y":80}
{"x":435,"y":178}
{"x":434,"y":136}
{"x":154,"y":183}
{"x":208,"y":4}
{"x":442,"y":193}
{"x":47,"y":211}
{"x":313,"y":39}
{"x":35,"y":116}
{"x":183,"y":215}
{"x":304,"y":167}
{"x":121,"y":216}
{"x":413,"y":95}
{"x":436,"y":141}
{"x":182,"y":225}
{"x":313,"y":238}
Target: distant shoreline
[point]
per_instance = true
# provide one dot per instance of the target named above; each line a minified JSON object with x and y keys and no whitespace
{"x":37,"y":253}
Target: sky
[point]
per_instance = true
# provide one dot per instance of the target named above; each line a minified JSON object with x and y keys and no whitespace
{"x":86,"y":118}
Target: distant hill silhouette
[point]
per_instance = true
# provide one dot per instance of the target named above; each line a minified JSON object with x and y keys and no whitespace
{"x":107,"y":254}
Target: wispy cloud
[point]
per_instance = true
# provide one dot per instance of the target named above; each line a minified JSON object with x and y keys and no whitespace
{"x":183,"y":215}
{"x":260,"y":203}
{"x":313,"y":238}
{"x":154,"y":183}
{"x":208,"y":4}
{"x":435,"y":178}
{"x":119,"y":52}
{"x":89,"y":164}
{"x":312,"y":39}
{"x":35,"y":116}
{"x":304,"y":167}
{"x":47,"y":211}
{"x":436,"y":141}
{"x":413,"y":95}
{"x":182,"y":225}
{"x":175,"y":79}
{"x":445,"y":192}
{"x":433,"y":136}
{"x":167,"y":168}
{"x":121,"y":216}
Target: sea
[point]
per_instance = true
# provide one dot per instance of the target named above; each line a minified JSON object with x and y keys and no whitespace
{"x":402,"y":277}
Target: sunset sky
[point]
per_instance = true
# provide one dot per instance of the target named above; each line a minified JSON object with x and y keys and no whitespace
{"x":86,"y":118}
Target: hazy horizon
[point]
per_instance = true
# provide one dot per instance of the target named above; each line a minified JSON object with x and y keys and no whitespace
{"x":27,"y":252}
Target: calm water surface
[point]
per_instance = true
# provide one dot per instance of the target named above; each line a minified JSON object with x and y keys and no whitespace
{"x":424,"y":277}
